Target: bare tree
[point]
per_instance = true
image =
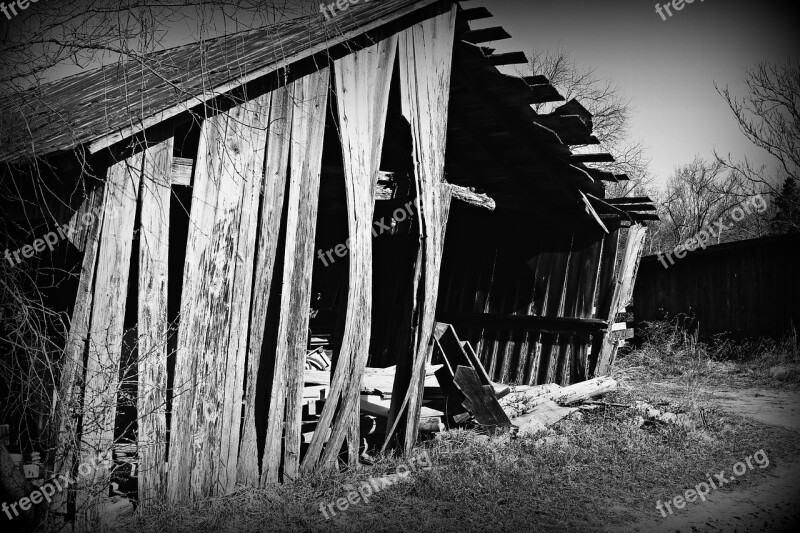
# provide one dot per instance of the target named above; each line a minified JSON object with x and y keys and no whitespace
{"x":50,"y":38}
{"x":698,"y":196}
{"x":611,"y":116}
{"x":769,"y":116}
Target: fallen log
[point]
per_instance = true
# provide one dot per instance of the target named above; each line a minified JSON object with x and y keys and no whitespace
{"x":521,"y":402}
{"x":584,"y":390}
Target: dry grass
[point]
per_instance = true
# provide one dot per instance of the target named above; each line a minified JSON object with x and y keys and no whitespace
{"x":594,"y":470}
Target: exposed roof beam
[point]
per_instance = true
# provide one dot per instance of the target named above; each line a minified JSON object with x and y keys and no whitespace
{"x":509,"y":58}
{"x":484,"y":35}
{"x":474,"y":13}
{"x":592,"y":158}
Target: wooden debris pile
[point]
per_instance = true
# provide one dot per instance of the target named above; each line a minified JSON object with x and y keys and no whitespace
{"x":457,"y":393}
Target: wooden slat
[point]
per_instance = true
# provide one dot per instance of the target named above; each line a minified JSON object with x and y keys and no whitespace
{"x":215,"y":304}
{"x":480,"y":400}
{"x":425,"y":57}
{"x":181,"y":173}
{"x":265,"y":280}
{"x":153,"y":322}
{"x":308,"y":126}
{"x":105,"y":335}
{"x":548,"y":324}
{"x":362,"y":92}
{"x":68,"y":405}
{"x":623,"y":288}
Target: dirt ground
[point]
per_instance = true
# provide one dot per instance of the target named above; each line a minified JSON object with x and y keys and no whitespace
{"x":770,"y":506}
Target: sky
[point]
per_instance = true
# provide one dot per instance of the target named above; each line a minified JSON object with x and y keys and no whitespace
{"x":667,"y":68}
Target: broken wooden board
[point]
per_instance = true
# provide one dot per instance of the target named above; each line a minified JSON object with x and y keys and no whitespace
{"x":546,"y":414}
{"x":480,"y":400}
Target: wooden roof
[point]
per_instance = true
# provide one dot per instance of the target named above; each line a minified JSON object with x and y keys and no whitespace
{"x":496,"y":141}
{"x":118,"y":98}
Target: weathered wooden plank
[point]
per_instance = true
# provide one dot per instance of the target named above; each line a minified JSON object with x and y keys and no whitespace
{"x":69,"y":397}
{"x":105,"y":335}
{"x":623,"y":287}
{"x":277,"y":161}
{"x":153,"y":322}
{"x":362,"y":91}
{"x":308,"y":125}
{"x":215,"y":305}
{"x":480,"y":400}
{"x":425,"y":52}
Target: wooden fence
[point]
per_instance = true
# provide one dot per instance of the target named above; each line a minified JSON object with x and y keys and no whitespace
{"x":747,"y":288}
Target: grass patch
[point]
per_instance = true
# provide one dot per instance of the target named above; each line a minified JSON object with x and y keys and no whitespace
{"x":594,"y":470}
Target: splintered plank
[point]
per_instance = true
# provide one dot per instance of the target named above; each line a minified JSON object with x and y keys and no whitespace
{"x":362,"y":94}
{"x":71,"y":381}
{"x":480,"y":400}
{"x":425,"y":58}
{"x":215,"y":304}
{"x":308,"y":125}
{"x":605,"y":290}
{"x":626,"y":276}
{"x":277,"y":162}
{"x":105,"y":335}
{"x":153,"y":322}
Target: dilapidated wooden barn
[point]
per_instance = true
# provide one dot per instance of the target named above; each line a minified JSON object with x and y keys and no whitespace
{"x":339,"y":184}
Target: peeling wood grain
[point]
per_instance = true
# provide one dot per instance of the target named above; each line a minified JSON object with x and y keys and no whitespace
{"x":308,"y":124}
{"x":153,"y":322}
{"x":69,"y":399}
{"x":105,"y":336}
{"x":362,"y":91}
{"x":215,"y":304}
{"x":425,"y":51}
